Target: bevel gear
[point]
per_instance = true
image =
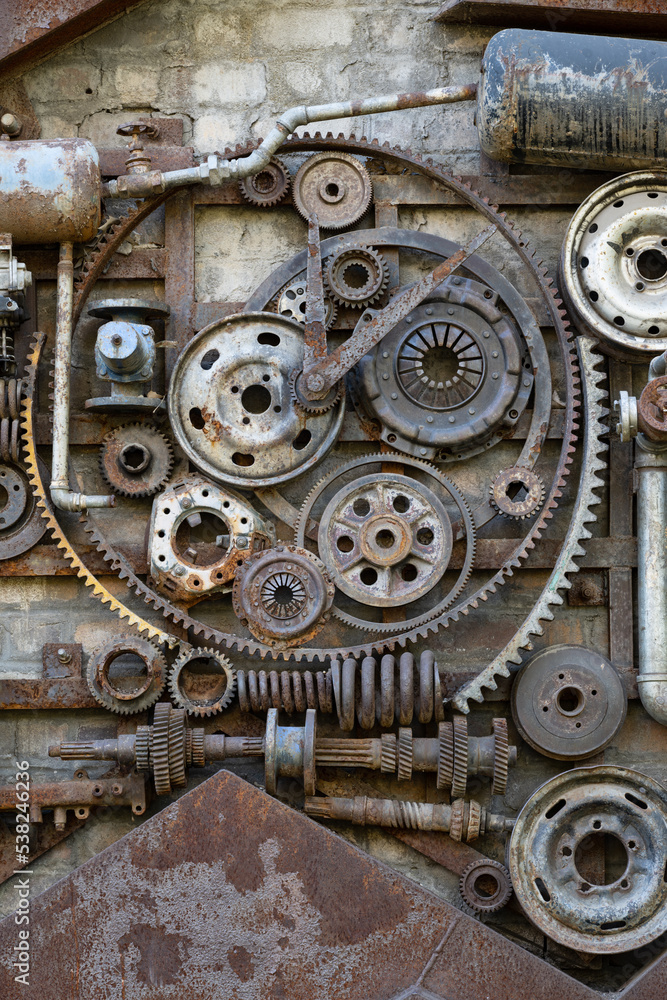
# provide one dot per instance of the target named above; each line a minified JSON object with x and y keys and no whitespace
{"x":356,"y":276}
{"x":501,"y":757}
{"x":521,"y":480}
{"x":486,"y":885}
{"x":130,"y":694}
{"x":267,"y":187}
{"x":314,"y":406}
{"x":460,"y":768}
{"x":207,"y":692}
{"x":136,"y":460}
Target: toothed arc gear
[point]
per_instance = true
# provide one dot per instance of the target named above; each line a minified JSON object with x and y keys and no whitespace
{"x":528,"y":496}
{"x":132,"y":693}
{"x":501,"y":757}
{"x":404,"y":755}
{"x":160,"y":748}
{"x":445,"y":755}
{"x":268,"y":187}
{"x":486,"y":885}
{"x":356,"y":276}
{"x":207,"y":691}
{"x":460,"y":769}
{"x":292,"y":303}
{"x":314,"y":406}
{"x":336,"y":187}
{"x":136,"y":460}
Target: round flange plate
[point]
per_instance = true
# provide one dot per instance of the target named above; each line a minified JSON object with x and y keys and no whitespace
{"x":558,"y":840}
{"x":568,"y":702}
{"x":230,"y":405}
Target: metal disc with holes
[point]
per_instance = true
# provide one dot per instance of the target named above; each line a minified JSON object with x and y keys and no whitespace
{"x":568,"y":702}
{"x":587,"y":859}
{"x":614,"y":264}
{"x":230,"y":405}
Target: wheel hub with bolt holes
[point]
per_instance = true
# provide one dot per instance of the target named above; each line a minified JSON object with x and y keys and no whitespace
{"x":231,"y":408}
{"x":614,"y":263}
{"x":565,"y":830}
{"x":568,"y":702}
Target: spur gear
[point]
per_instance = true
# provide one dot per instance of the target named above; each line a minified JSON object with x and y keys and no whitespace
{"x":314,"y":406}
{"x":356,"y":276}
{"x":517,"y":493}
{"x":501,"y":757}
{"x":127,"y":692}
{"x":176,"y":739}
{"x":267,"y":187}
{"x":404,"y":755}
{"x":136,"y":460}
{"x":460,"y":767}
{"x":292,"y":304}
{"x":202,"y":681}
{"x":445,"y":755}
{"x":160,"y":748}
{"x":334,"y":185}
{"x":486,"y":886}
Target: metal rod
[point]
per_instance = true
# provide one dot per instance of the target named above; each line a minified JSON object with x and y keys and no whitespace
{"x":61,"y":494}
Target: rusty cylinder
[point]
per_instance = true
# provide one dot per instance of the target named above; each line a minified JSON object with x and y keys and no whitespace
{"x":573,"y":100}
{"x":49,"y":191}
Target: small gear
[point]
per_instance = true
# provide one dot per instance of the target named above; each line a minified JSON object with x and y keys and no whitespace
{"x":389,"y":755}
{"x":267,"y":187}
{"x":460,"y":770}
{"x":195,"y":747}
{"x":519,"y":479}
{"x":206,"y":692}
{"x":336,"y":186}
{"x":177,"y":774}
{"x":445,"y":755}
{"x":292,"y":303}
{"x":501,"y":756}
{"x":404,"y":771}
{"x":314,"y":406}
{"x":142,"y":749}
{"x":136,"y":460}
{"x":486,"y":885}
{"x":474,"y":820}
{"x":160,"y":748}
{"x":132,"y":693}
{"x":356,"y":276}
{"x":458,"y":815}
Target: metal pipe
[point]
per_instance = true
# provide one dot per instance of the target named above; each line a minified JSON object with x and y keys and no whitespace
{"x":216,"y":170}
{"x":651,"y":466}
{"x":61,"y":494}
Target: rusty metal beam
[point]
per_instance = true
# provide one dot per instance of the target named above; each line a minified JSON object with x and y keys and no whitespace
{"x":275,"y":907}
{"x":633,"y":18}
{"x":33,"y":30}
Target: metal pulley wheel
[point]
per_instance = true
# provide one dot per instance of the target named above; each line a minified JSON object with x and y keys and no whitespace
{"x":614,"y":264}
{"x":568,"y":702}
{"x":230,"y":405}
{"x":336,"y":187}
{"x":559,"y":837}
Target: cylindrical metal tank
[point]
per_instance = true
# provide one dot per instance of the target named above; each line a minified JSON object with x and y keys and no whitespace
{"x":573,"y":100}
{"x":49,"y":190}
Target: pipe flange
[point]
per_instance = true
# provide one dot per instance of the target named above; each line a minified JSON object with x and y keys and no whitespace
{"x":129,"y":692}
{"x":160,"y":748}
{"x":136,"y":460}
{"x":486,"y":886}
{"x":336,"y":187}
{"x":202,"y":681}
{"x":199,"y":536}
{"x":460,"y":768}
{"x":568,"y":702}
{"x":142,"y":749}
{"x":613,"y":264}
{"x":517,"y":493}
{"x":292,"y":304}
{"x":554,"y":859}
{"x":501,"y":757}
{"x":267,"y":187}
{"x":332,"y":398}
{"x":283,"y":595}
{"x":356,"y":276}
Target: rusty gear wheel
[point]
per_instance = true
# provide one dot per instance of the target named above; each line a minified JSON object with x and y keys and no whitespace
{"x":129,"y":694}
{"x":528,"y":496}
{"x":445,"y":755}
{"x":404,"y":755}
{"x":336,"y":186}
{"x":292,"y":303}
{"x":356,"y":276}
{"x":460,"y":769}
{"x":204,"y":692}
{"x":160,"y":748}
{"x":501,"y":757}
{"x":314,"y":406}
{"x":283,"y":595}
{"x":142,"y":749}
{"x":177,"y":775}
{"x":269,"y":186}
{"x":486,"y":886}
{"x":136,"y":460}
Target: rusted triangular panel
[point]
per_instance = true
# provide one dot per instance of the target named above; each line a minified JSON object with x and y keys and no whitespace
{"x":229,"y":894}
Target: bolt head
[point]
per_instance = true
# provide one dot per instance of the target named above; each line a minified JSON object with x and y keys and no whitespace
{"x":315,"y":383}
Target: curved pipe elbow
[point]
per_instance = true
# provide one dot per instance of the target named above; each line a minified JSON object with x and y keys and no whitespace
{"x":66,"y":499}
{"x":653,"y":695}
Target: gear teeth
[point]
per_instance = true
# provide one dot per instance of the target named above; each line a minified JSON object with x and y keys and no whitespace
{"x":404,"y":756}
{"x":196,"y":755}
{"x":205,"y":707}
{"x":176,"y":742}
{"x":362,"y":253}
{"x":389,"y":753}
{"x":317,"y":406}
{"x":125,"y":484}
{"x":460,"y":769}
{"x":142,"y":749}
{"x":501,"y":757}
{"x":500,"y":874}
{"x":445,"y":756}
{"x":160,"y":748}
{"x":154,"y":661}
{"x":457,"y":820}
{"x":255,"y":197}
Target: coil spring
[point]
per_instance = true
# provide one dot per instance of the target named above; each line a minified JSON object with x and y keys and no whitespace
{"x":10,"y":404}
{"x":349,"y":689}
